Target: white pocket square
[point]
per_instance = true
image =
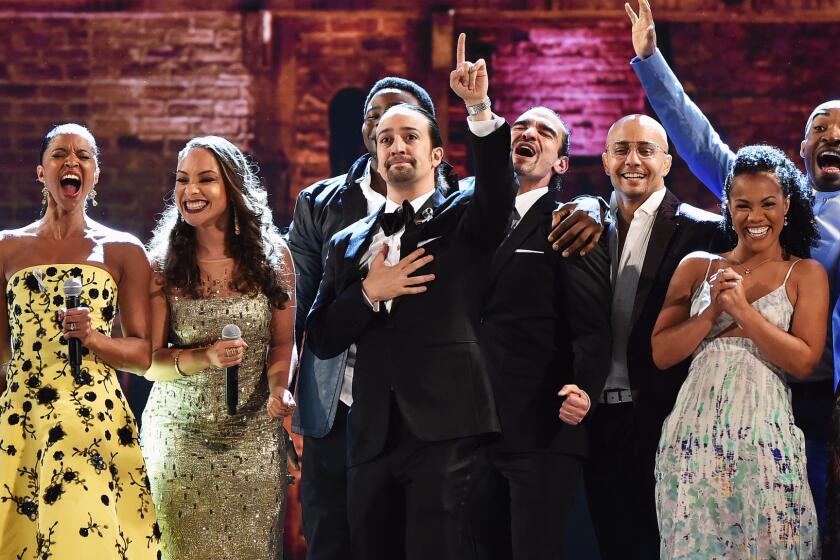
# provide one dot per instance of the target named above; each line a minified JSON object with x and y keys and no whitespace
{"x":529,"y":251}
{"x":429,"y":240}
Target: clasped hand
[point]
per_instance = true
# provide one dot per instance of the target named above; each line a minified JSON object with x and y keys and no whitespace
{"x":385,"y":282}
{"x":727,"y":291}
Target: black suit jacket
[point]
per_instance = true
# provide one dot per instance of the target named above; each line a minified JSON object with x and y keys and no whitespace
{"x":546,"y":324}
{"x":425,"y":351}
{"x":678,"y":230}
{"x":322,"y":210}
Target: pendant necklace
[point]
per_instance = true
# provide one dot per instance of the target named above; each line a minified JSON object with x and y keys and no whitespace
{"x":750,"y":270}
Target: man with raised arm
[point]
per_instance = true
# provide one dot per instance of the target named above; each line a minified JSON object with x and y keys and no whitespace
{"x":709,"y":158}
{"x":324,"y":387}
{"x":405,"y":285}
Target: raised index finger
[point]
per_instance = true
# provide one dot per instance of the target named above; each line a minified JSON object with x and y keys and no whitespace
{"x":461,"y":55}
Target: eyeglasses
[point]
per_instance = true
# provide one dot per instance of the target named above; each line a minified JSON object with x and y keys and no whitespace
{"x":646,"y":150}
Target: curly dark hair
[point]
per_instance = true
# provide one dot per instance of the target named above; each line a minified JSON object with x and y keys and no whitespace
{"x":257,"y":249}
{"x":800,"y":232}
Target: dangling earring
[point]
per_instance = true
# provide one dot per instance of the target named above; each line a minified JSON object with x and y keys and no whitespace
{"x":92,"y":197}
{"x":785,"y":219}
{"x":44,"y":194}
{"x":236,"y":230}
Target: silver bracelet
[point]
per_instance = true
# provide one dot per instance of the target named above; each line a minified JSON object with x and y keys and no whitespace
{"x":479,"y":107}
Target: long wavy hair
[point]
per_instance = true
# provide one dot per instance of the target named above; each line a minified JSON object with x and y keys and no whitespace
{"x":800,"y":232}
{"x":257,"y":249}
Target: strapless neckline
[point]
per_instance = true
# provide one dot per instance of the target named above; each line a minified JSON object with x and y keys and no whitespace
{"x":22,"y":271}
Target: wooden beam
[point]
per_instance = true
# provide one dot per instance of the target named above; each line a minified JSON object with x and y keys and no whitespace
{"x":511,"y":18}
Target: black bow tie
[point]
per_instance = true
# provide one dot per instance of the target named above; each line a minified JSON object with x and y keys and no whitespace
{"x":392,"y":222}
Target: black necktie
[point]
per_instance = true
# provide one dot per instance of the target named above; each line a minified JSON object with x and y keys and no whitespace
{"x":512,"y":222}
{"x":392,"y":222}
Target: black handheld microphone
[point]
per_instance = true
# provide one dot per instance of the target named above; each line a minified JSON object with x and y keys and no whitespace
{"x":231,"y":332}
{"x":72,"y":291}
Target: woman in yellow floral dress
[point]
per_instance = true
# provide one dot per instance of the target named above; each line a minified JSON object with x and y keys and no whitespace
{"x":72,"y":479}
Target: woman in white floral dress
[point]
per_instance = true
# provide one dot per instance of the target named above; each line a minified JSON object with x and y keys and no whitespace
{"x":731,"y":479}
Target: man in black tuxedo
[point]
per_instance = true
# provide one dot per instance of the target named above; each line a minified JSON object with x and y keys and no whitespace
{"x":650,"y":233}
{"x":546,"y":334}
{"x":422,"y":400}
{"x":324,"y":387}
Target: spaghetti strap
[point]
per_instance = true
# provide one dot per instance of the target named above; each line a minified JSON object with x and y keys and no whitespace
{"x":789,"y":271}
{"x":708,"y":269}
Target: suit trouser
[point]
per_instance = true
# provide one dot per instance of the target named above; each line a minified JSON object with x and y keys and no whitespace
{"x":411,"y":501}
{"x":812,"y":404}
{"x":522,"y":506}
{"x":620,"y":484}
{"x":323,"y":492}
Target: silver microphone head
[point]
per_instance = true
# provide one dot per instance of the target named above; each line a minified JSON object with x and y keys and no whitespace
{"x":231,"y":332}
{"x":72,"y":288}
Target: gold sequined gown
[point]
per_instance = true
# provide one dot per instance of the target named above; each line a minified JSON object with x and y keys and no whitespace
{"x":72,"y":480}
{"x":218,"y":482}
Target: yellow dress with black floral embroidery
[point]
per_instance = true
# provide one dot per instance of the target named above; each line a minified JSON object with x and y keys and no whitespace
{"x":72,"y":479}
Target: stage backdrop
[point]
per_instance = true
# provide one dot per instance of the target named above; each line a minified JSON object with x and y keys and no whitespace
{"x":285,"y":80}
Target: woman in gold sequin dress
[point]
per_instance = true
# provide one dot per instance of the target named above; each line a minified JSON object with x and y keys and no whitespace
{"x":72,"y":480}
{"x":218,"y":480}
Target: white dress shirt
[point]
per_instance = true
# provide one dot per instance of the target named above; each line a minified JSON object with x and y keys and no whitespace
{"x":391,"y":241}
{"x":625,"y":280}
{"x":525,"y":201}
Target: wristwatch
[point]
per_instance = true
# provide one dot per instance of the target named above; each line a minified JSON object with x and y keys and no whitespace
{"x":484,"y":105}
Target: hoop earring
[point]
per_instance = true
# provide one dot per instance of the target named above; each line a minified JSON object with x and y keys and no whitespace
{"x":44,"y":194}
{"x":236,"y":230}
{"x":92,"y":198}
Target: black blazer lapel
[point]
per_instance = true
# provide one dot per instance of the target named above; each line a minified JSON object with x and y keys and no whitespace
{"x":534,"y":217}
{"x":664,"y":227}
{"x":412,"y":235}
{"x":409,"y":239}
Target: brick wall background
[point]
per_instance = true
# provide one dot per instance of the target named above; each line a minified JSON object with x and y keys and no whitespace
{"x":147,"y":75}
{"x":147,"y":81}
